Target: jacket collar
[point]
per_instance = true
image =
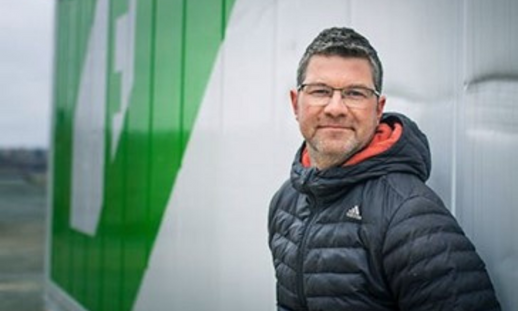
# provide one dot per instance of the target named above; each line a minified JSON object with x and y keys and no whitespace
{"x":409,"y":154}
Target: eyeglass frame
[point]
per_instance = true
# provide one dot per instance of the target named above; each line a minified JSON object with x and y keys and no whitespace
{"x":341,"y":90}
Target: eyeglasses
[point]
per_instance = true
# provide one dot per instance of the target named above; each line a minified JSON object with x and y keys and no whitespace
{"x":320,"y":94}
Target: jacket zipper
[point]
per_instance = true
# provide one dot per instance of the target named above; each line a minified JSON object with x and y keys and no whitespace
{"x":302,"y":251}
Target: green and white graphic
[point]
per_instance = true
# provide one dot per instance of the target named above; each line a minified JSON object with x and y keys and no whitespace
{"x":129,"y":81}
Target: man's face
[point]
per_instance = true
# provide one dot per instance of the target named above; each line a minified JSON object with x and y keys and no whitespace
{"x":335,"y":132}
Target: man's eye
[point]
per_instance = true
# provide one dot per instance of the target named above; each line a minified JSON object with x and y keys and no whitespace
{"x":355,"y":94}
{"x":320,"y":92}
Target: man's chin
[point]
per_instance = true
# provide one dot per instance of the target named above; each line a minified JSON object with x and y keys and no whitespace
{"x":335,"y":154}
{"x":336,"y":148}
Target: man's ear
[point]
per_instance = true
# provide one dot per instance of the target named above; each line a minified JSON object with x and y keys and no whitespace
{"x":295,"y":103}
{"x":380,"y":107}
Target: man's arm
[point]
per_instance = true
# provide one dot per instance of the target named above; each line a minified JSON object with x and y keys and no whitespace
{"x":430,"y":264}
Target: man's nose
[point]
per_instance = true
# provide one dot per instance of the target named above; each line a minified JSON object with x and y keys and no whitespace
{"x":336,"y":105}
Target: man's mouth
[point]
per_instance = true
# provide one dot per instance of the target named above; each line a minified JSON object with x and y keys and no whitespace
{"x":333,"y":126}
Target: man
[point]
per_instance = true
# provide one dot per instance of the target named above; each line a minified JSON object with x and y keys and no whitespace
{"x":356,"y":228}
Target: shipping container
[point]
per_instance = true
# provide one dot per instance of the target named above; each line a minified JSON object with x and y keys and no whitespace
{"x":172,"y":129}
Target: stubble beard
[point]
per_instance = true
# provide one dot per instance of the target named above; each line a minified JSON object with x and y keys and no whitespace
{"x":326,"y":153}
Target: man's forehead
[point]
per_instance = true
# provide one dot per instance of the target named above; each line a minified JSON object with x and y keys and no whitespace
{"x":322,"y":64}
{"x":334,"y":62}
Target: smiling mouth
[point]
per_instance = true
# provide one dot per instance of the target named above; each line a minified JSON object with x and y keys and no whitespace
{"x":334,"y":127}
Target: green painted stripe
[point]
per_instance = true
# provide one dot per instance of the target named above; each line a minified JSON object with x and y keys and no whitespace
{"x":176,"y":45}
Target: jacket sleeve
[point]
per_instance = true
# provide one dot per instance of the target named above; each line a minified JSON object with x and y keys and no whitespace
{"x":430,"y":264}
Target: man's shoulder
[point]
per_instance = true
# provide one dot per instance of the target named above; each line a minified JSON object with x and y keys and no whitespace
{"x":395,"y":189}
{"x":410,"y":192}
{"x":408,"y":185}
{"x":285,"y":192}
{"x":283,"y":200}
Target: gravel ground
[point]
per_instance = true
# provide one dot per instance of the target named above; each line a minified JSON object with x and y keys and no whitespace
{"x":22,"y":243}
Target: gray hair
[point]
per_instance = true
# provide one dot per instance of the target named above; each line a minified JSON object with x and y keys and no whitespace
{"x":342,"y":42}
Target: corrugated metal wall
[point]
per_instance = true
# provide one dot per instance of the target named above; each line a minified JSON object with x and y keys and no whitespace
{"x":487,"y":140}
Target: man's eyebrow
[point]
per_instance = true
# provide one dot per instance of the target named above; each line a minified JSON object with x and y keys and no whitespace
{"x":353,"y":85}
{"x":315,"y":83}
{"x":361,"y":85}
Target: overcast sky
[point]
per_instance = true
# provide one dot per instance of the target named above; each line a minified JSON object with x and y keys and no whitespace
{"x":26,"y":47}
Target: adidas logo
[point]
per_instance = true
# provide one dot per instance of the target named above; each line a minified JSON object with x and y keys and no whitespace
{"x":354,"y":213}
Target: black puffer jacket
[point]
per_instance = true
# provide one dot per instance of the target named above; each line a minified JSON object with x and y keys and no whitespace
{"x":373,"y":236}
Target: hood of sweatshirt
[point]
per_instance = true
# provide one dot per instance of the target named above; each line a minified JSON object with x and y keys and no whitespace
{"x":400,"y":148}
